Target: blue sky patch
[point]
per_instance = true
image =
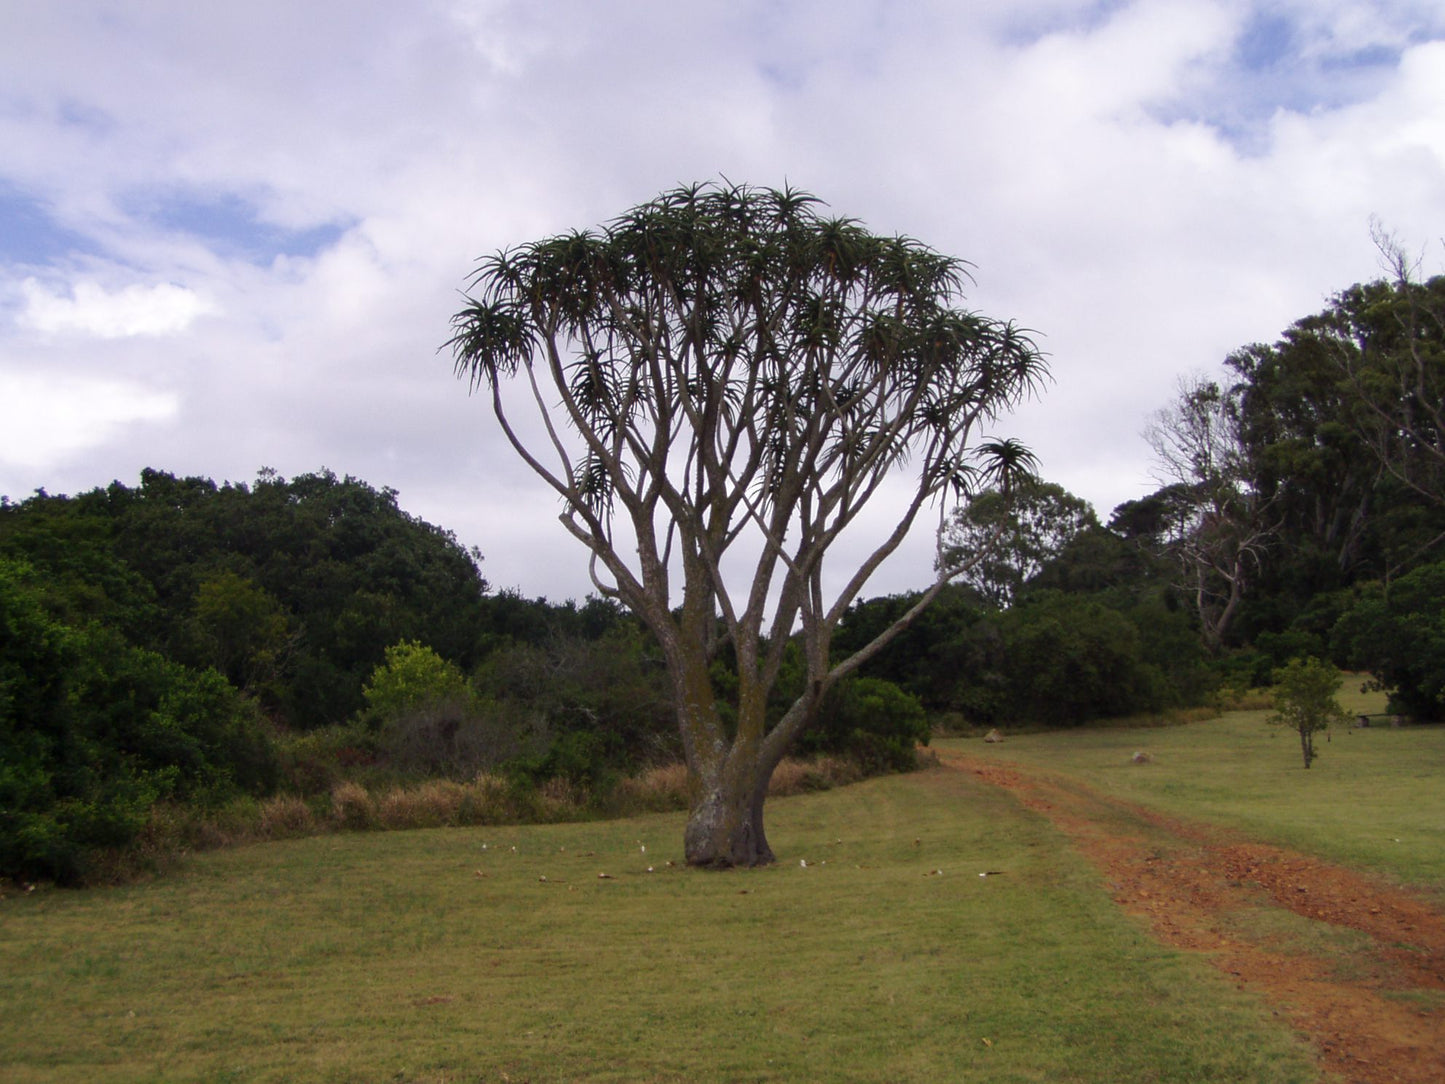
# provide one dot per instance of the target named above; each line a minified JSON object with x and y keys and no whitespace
{"x":230,"y":225}
{"x":75,"y":114}
{"x":1266,"y":41}
{"x":1272,"y":67}
{"x":30,"y":235}
{"x":1025,"y":27}
{"x":1372,"y":56}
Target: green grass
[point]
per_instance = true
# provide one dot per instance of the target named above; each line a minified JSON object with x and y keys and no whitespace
{"x":385,"y":957}
{"x":1374,"y":800}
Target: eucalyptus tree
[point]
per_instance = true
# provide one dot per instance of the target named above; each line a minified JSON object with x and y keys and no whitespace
{"x":1389,"y":343}
{"x":716,"y":385}
{"x":1357,"y":394}
{"x":1223,"y":524}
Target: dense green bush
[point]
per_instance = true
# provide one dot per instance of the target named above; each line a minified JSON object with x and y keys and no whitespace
{"x":410,"y":677}
{"x":240,"y":629}
{"x":1054,"y":657}
{"x":291,"y":589}
{"x":1060,"y":659}
{"x":94,"y":731}
{"x":872,"y":722}
{"x":586,"y":707}
{"x":1399,"y":636}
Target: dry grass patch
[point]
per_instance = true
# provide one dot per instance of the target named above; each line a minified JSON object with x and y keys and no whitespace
{"x":805,"y":776}
{"x":559,"y":799}
{"x":284,"y":817}
{"x":1252,"y":699}
{"x":175,"y":830}
{"x":657,"y":790}
{"x":434,"y":804}
{"x":352,"y":807}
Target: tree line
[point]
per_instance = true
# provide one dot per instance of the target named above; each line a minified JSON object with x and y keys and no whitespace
{"x":1300,"y":514}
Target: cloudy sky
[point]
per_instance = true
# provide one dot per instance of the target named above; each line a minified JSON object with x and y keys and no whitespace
{"x":232,"y":235}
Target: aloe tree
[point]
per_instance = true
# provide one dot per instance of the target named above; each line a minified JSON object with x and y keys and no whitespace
{"x":715,"y":385}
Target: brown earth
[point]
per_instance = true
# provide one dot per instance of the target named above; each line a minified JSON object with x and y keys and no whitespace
{"x":1373,"y":1006}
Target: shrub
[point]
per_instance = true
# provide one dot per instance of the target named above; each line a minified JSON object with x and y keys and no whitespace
{"x":585,"y":709}
{"x":1062,"y":660}
{"x":798,"y":776}
{"x":94,"y":731}
{"x":456,"y":738}
{"x":1399,"y":636}
{"x":411,"y":676}
{"x":872,"y":721}
{"x":317,"y":761}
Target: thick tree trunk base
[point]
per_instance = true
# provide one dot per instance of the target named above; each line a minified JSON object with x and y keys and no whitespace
{"x":726,"y":834}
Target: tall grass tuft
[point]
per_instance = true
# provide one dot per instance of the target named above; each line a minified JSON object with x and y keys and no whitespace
{"x":284,"y":817}
{"x":1230,"y":698}
{"x":559,"y":799}
{"x":807,"y":776}
{"x":662,"y":789}
{"x":352,"y":807}
{"x":488,"y":801}
{"x":434,"y":804}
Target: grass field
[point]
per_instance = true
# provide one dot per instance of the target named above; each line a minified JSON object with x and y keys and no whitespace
{"x":443,"y":955}
{"x":1374,"y":800}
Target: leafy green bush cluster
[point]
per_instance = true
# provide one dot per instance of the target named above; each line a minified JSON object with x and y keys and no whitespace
{"x":94,"y":731}
{"x":567,"y":707}
{"x":291,"y":589}
{"x":1054,"y":657}
{"x":872,"y":722}
{"x":155,"y":640}
{"x":1399,"y":636}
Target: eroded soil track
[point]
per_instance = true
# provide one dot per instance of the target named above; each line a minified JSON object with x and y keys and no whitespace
{"x":1372,"y":1002}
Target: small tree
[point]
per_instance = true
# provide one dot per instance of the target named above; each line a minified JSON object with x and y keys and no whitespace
{"x":715,"y":386}
{"x":1304,"y":697}
{"x":412,"y":676}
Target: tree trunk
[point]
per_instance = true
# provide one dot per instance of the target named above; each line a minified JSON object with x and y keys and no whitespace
{"x":1307,"y":743}
{"x":725,"y":825}
{"x":728,"y":776}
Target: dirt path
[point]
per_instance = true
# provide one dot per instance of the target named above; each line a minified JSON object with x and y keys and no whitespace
{"x":1374,"y":1007}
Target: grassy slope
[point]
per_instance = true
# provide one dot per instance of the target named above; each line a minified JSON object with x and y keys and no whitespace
{"x":1374,"y":799}
{"x":386,"y":957}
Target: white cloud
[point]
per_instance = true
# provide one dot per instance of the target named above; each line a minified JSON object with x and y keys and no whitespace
{"x":162,"y":309}
{"x":45,"y":420}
